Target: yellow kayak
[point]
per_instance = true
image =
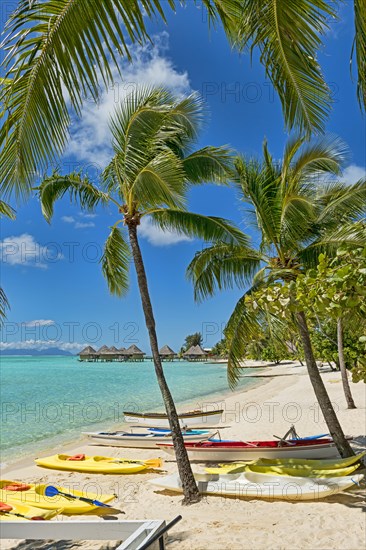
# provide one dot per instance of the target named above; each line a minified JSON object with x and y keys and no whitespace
{"x":283,"y":471}
{"x":12,"y":510}
{"x":34,"y":495}
{"x":295,"y":464}
{"x":97,"y":464}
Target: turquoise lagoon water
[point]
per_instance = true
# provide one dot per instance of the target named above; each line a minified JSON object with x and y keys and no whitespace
{"x":47,"y":401}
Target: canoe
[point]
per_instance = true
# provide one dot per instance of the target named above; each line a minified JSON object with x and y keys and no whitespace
{"x":283,"y":470}
{"x":34,"y":495}
{"x":197,"y":418}
{"x":30,"y":512}
{"x":231,"y":451}
{"x":97,"y":464}
{"x":254,"y":485}
{"x":147,"y":440}
{"x":325,"y":464}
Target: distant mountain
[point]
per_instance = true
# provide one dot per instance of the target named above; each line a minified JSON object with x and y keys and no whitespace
{"x":49,"y":351}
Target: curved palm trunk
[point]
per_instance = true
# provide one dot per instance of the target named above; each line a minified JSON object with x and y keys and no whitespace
{"x":190,"y":490}
{"x":321,"y":393}
{"x":342,"y":366}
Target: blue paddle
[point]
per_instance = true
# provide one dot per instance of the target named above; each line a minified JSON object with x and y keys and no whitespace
{"x":51,"y":491}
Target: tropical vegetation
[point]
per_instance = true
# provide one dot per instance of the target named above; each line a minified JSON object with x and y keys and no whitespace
{"x":154,"y":162}
{"x":298,"y":214}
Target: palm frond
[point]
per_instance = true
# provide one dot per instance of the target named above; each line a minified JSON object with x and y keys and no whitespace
{"x":340,"y":203}
{"x":208,"y":228}
{"x":222,"y":266}
{"x":325,"y":155}
{"x":209,"y":164}
{"x":57,"y":50}
{"x":243,"y":327}
{"x":6,"y":210}
{"x":274,"y":27}
{"x":115,"y":262}
{"x":360,"y":50}
{"x":160,"y":183}
{"x":79,"y":188}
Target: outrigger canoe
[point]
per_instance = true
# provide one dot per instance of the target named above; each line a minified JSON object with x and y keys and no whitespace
{"x":97,"y":464}
{"x":12,"y":510}
{"x":330,"y":464}
{"x":147,"y":440}
{"x":253,"y":485}
{"x":197,"y":418}
{"x":232,"y":451}
{"x":34,"y":495}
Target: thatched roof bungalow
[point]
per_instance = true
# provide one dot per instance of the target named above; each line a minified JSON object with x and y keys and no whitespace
{"x":167,"y":354}
{"x":195,"y":353}
{"x":88,"y":354}
{"x":133,"y":353}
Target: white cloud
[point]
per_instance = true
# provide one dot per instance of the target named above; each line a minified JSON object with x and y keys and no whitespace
{"x":42,"y":345}
{"x":68,"y":219}
{"x":157,"y":236}
{"x":87,"y":215}
{"x":353,"y":174}
{"x":90,"y":136}
{"x":79,"y":225}
{"x":82,"y":225}
{"x":39,"y":323}
{"x":25,"y":251}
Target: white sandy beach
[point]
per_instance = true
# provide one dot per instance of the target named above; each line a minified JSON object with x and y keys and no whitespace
{"x":285,"y":397}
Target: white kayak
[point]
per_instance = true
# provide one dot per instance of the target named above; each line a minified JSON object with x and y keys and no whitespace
{"x":148,"y":440}
{"x":237,"y":451}
{"x":198,"y":419}
{"x":254,"y":486}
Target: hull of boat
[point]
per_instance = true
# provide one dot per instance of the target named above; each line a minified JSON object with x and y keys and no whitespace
{"x":140,"y":441}
{"x":233,"y":454}
{"x":253,"y":485}
{"x":159,"y":420}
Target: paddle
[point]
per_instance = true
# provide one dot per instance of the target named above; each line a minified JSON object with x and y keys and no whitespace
{"x":7,"y":509}
{"x":51,"y":491}
{"x":152,"y":463}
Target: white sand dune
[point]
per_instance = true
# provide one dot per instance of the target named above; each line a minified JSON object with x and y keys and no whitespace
{"x":284,"y":397}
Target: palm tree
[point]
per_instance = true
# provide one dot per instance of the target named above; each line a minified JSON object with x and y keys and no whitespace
{"x":297,"y":215}
{"x":60,"y":51}
{"x":152,"y":166}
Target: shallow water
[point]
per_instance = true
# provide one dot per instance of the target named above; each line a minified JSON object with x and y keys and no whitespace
{"x":50,"y":400}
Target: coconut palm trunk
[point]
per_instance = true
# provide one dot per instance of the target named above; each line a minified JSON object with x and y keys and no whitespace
{"x":184,"y":467}
{"x":342,"y":366}
{"x":321,"y":393}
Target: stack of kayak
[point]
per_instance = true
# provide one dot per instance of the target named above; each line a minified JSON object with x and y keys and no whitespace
{"x":292,"y":479}
{"x":149,"y":438}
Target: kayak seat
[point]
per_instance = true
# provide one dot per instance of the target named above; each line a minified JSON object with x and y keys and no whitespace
{"x":17,"y":487}
{"x":76,"y":457}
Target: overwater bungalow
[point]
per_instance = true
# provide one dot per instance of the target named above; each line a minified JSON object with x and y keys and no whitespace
{"x":167,"y":354}
{"x":195,"y":353}
{"x":88,"y":354}
{"x":103,"y":353}
{"x":133,"y":353}
{"x":112,"y":354}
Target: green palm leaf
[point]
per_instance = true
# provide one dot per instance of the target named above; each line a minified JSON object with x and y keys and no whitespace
{"x":115,"y":262}
{"x":209,"y":164}
{"x":6,"y":210}
{"x":222,"y":266}
{"x":275,"y":27}
{"x":79,"y":188}
{"x":208,"y":228}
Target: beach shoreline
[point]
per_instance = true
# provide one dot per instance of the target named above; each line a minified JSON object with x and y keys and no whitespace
{"x":283,"y":397}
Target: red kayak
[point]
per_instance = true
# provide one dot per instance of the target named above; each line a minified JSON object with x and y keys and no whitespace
{"x":228,"y":451}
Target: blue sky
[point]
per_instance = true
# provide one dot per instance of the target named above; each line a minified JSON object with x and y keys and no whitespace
{"x":51,"y":272}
